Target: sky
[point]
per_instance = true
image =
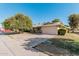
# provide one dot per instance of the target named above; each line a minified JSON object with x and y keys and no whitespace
{"x":39,"y":12}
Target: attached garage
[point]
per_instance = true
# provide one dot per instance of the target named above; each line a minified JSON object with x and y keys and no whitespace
{"x":50,"y":29}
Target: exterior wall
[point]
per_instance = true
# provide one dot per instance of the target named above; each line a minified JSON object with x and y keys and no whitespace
{"x":49,"y":30}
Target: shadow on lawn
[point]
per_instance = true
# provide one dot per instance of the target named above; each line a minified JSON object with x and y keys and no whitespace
{"x":32,"y":42}
{"x":47,"y":45}
{"x":68,"y":44}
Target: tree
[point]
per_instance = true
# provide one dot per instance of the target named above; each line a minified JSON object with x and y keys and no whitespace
{"x":74,"y":21}
{"x":25,"y":22}
{"x":56,"y":20}
{"x":53,"y":21}
{"x":18,"y":22}
{"x":46,"y":23}
{"x":6,"y":24}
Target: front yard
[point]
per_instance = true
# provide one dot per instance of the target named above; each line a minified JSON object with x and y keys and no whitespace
{"x":72,"y":36}
{"x":53,"y":45}
{"x":61,"y":45}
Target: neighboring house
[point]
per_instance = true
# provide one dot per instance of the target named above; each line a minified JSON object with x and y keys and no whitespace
{"x":1,"y":28}
{"x":4,"y":30}
{"x":49,"y":28}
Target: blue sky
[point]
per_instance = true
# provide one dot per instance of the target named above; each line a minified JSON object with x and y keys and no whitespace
{"x":39,"y":12}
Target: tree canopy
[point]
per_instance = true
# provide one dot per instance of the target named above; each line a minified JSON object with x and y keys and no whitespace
{"x":18,"y":22}
{"x":55,"y":20}
{"x":74,"y":21}
{"x":46,"y":23}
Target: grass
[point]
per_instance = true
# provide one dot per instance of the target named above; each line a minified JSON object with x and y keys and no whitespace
{"x":61,"y":45}
{"x":69,"y":41}
{"x":71,"y":36}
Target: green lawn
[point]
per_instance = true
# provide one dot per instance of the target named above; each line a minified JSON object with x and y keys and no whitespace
{"x":61,"y":45}
{"x":69,"y":41}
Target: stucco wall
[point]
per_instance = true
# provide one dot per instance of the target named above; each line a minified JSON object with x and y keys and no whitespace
{"x":49,"y":30}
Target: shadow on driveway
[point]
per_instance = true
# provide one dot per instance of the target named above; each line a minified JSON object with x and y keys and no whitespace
{"x":32,"y":42}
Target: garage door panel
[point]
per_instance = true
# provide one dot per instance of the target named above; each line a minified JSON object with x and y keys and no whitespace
{"x":49,"y":30}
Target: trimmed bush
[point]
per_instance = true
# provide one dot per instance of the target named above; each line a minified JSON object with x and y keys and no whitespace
{"x":61,"y":32}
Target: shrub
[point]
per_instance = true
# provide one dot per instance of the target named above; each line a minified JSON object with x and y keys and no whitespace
{"x":61,"y":32}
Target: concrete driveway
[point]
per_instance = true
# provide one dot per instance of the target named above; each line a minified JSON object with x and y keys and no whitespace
{"x":21,"y":44}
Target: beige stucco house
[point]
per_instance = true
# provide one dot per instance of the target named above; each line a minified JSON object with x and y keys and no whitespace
{"x":49,"y":28}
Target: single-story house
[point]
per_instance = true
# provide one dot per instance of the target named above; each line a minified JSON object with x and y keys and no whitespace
{"x":49,"y":28}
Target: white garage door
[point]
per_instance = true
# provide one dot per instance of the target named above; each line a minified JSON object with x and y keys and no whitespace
{"x":49,"y":30}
